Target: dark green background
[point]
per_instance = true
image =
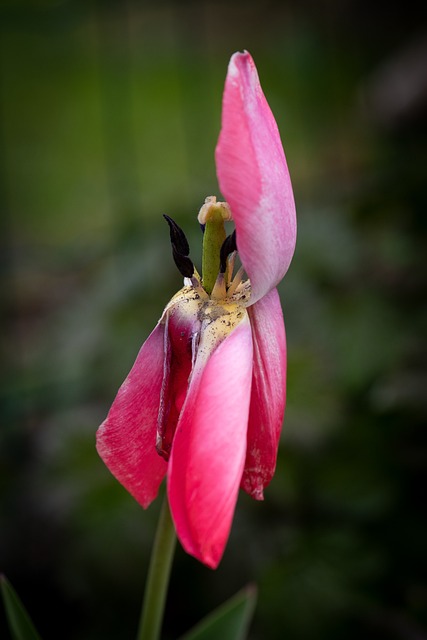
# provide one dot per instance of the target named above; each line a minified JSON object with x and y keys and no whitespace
{"x":110,"y":113}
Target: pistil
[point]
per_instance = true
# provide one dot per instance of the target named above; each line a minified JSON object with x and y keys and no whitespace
{"x":212,"y":215}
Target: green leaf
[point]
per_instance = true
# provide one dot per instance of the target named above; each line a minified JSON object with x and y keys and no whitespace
{"x":230,"y":621}
{"x":20,"y":624}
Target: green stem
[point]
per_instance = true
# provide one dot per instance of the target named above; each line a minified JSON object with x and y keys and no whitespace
{"x":158,"y":577}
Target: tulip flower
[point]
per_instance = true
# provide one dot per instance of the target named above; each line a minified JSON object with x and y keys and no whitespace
{"x":204,"y":402}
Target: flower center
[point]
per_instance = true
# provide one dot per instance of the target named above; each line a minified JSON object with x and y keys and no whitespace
{"x":218,"y":257}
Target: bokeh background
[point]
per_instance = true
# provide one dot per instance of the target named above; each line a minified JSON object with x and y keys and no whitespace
{"x":110,"y":113}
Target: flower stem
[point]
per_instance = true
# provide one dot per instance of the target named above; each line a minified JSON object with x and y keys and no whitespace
{"x":158,"y":577}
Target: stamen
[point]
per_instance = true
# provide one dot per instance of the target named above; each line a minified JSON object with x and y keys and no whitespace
{"x":219,"y":291}
{"x":230,"y":267}
{"x":184,"y":264}
{"x":235,"y":282}
{"x":180,"y":248}
{"x":194,"y":281}
{"x":178,"y":239}
{"x":228,"y":246}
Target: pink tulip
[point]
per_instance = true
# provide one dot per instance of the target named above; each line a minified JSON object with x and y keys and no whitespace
{"x":207,"y":390}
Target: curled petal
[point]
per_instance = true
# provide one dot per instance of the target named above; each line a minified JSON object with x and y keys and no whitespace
{"x":182,"y":328}
{"x":254,"y":178}
{"x":126,"y":439}
{"x":268,"y":395}
{"x":209,"y":448}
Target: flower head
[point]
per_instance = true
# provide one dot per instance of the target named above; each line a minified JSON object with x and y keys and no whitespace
{"x":204,"y":402}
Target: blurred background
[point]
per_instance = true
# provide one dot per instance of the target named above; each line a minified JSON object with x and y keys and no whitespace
{"x":110,"y":113}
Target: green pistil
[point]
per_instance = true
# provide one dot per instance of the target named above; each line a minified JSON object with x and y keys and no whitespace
{"x":213,"y":238}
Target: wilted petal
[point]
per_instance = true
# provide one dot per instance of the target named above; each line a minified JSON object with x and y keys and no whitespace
{"x":126,"y":440}
{"x":182,"y":328}
{"x":268,"y":393}
{"x":253,"y":176}
{"x":208,"y":451}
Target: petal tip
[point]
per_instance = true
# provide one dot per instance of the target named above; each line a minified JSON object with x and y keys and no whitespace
{"x":254,"y":490}
{"x":240,"y":58}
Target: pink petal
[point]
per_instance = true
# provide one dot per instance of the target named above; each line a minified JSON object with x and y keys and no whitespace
{"x":126,"y":440}
{"x":181,"y":325}
{"x":208,"y":451}
{"x":254,"y":179}
{"x":268,"y":393}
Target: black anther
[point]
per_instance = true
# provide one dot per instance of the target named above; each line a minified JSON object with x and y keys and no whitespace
{"x":180,"y":248}
{"x":184,"y":264}
{"x":178,"y":239}
{"x":228,"y":246}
